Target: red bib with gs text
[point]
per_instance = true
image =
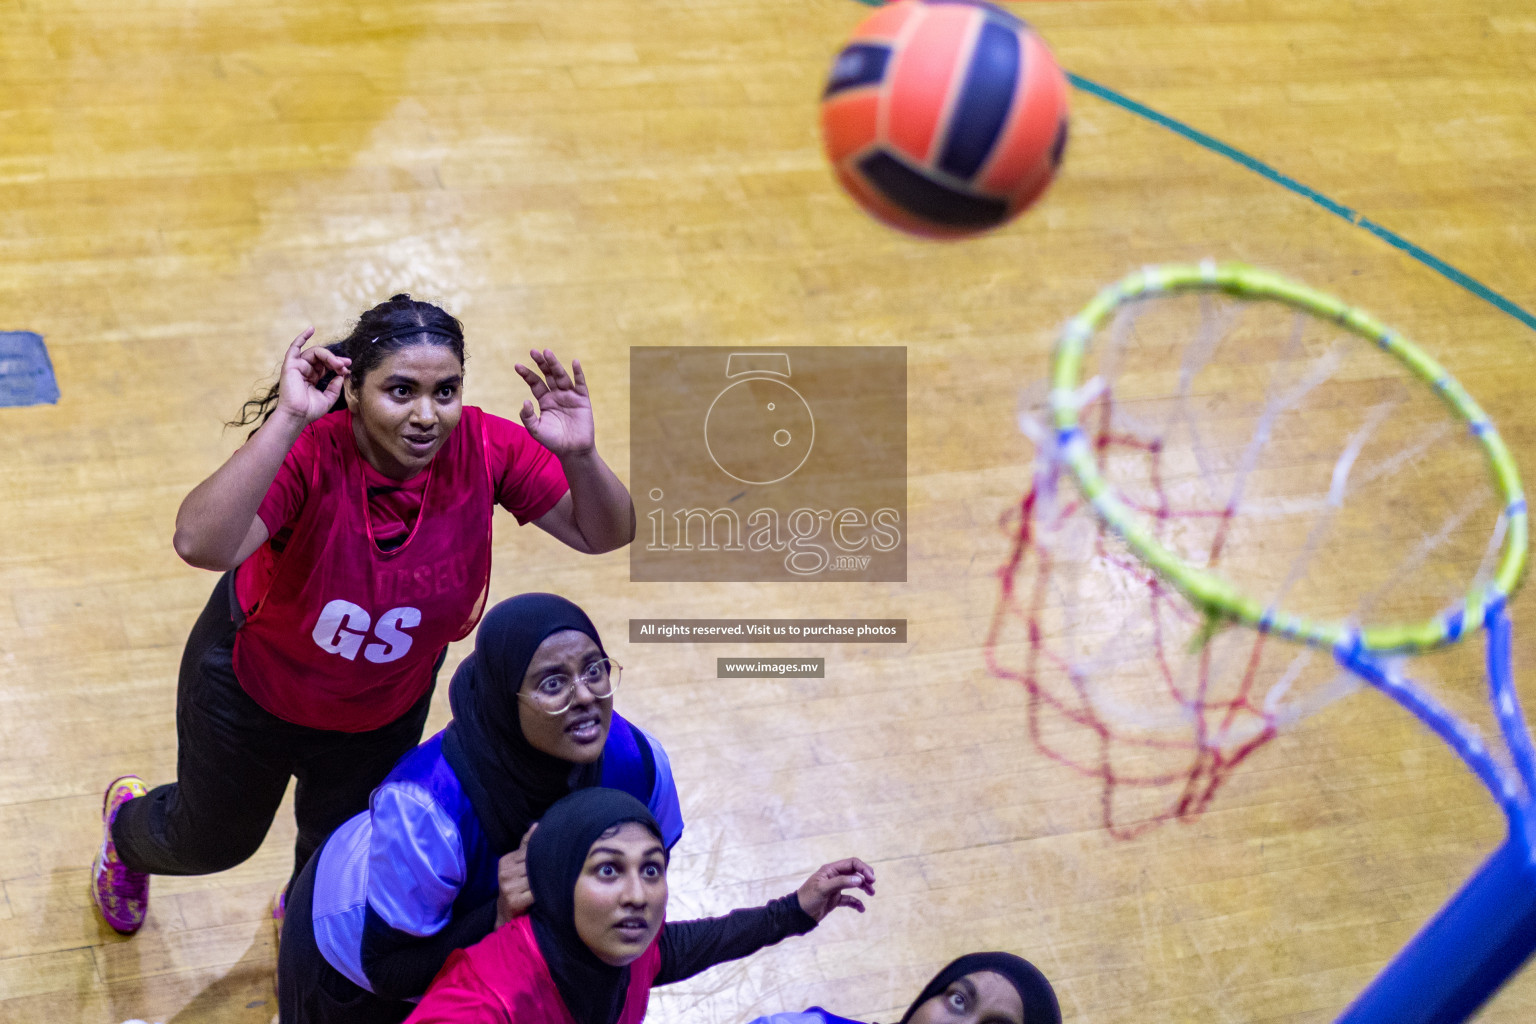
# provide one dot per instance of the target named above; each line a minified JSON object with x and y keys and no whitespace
{"x":346,"y":635}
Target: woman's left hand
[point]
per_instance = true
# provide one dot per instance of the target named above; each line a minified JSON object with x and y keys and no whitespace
{"x":823,"y":891}
{"x":514,"y":895}
{"x":562,"y":421}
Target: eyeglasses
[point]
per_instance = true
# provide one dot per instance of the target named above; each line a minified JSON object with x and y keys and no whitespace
{"x":555,"y":694}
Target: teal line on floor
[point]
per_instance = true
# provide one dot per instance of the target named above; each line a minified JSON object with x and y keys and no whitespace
{"x":1333,"y":206}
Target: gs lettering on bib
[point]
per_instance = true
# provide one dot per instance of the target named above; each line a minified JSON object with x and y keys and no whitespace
{"x":345,"y":636}
{"x":343,"y":627}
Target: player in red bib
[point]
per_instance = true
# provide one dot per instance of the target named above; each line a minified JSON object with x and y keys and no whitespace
{"x":354,"y":532}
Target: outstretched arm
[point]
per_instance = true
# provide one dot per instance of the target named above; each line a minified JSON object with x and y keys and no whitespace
{"x":217,"y":526}
{"x":596,"y":515}
{"x":689,"y":947}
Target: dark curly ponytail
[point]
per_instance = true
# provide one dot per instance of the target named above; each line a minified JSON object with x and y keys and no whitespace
{"x":383,"y":329}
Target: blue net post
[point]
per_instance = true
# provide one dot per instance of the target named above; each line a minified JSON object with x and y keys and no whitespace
{"x":1467,"y":950}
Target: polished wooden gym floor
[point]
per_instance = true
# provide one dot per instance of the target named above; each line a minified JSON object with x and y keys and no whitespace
{"x":186,"y":184}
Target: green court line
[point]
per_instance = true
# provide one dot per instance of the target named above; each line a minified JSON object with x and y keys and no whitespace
{"x":1333,"y":206}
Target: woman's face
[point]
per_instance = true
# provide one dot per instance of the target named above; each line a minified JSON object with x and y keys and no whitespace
{"x":980,"y":998}
{"x":621,"y":894}
{"x":579,"y":732}
{"x":406,"y":407}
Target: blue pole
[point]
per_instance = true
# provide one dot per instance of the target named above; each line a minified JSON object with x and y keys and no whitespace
{"x":1466,"y":951}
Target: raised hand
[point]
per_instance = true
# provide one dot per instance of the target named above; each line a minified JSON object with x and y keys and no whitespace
{"x":823,"y":892}
{"x":298,"y":392}
{"x":562,"y":421}
{"x":514,"y":897}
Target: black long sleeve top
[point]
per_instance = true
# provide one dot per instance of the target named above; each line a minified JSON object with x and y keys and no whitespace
{"x":401,"y":965}
{"x":688,"y":947}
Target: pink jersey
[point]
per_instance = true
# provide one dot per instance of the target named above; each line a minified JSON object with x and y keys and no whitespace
{"x":341,"y":635}
{"x":503,"y":979}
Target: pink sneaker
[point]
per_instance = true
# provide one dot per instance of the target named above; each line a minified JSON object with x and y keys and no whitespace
{"x":121,"y":894}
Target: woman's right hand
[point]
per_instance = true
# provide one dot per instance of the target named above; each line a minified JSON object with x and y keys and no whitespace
{"x":514,"y":896}
{"x":298,"y":395}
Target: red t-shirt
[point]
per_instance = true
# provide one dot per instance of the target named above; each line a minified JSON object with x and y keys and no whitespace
{"x":528,"y":483}
{"x":503,"y":979}
{"x":363,"y":581}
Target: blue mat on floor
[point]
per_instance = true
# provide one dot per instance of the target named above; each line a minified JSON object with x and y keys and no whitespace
{"x":26,"y":375}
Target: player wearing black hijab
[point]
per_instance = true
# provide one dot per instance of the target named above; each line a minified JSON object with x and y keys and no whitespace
{"x":960,"y":988}
{"x":595,"y":941}
{"x":978,"y":988}
{"x":428,"y":868}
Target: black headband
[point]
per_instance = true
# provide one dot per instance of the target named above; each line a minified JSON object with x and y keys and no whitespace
{"x":400,"y":332}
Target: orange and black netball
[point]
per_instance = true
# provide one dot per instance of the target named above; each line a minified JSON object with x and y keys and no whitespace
{"x":945,"y":118}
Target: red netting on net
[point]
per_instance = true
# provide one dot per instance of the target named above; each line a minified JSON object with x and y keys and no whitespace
{"x":1213,"y":718}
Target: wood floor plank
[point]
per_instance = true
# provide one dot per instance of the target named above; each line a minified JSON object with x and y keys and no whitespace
{"x":186,"y":184}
